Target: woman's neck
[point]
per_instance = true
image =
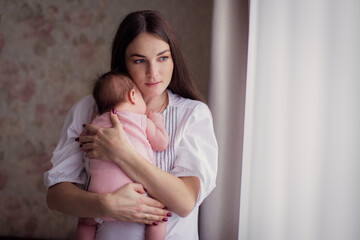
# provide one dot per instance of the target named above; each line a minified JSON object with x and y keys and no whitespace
{"x":158,"y":103}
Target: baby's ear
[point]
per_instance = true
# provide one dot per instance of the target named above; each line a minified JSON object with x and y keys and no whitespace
{"x":132,"y":96}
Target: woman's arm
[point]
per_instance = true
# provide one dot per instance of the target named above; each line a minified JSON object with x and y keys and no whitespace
{"x":110,"y":144}
{"x":178,"y":194}
{"x":67,"y":198}
{"x":126,"y":204}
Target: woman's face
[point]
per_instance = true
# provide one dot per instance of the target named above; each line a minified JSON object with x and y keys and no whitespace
{"x":149,"y":63}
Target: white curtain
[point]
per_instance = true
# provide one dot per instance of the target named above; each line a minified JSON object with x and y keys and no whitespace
{"x":301,"y":157}
{"x":219,"y":214}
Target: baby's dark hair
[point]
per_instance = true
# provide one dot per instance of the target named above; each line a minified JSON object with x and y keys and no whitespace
{"x":110,"y":89}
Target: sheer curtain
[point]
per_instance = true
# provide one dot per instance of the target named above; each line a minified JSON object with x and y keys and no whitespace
{"x":219,"y":214}
{"x":293,"y":172}
{"x":301,"y":157}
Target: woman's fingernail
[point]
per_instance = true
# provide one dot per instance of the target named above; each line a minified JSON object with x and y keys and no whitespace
{"x":77,"y":139}
{"x":114,"y":111}
{"x":169,"y":214}
{"x":165,"y":208}
{"x":155,"y":223}
{"x":165,"y":219}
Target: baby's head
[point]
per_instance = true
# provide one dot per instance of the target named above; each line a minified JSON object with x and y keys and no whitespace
{"x":114,"y":89}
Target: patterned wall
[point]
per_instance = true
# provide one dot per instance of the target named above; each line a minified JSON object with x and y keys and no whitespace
{"x":49,"y":52}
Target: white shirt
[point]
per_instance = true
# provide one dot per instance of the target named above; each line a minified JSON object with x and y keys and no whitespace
{"x":192,"y":151}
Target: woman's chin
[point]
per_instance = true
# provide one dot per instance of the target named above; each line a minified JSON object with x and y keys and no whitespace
{"x":152,"y":93}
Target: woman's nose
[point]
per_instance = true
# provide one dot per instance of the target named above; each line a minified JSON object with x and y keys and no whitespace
{"x":152,"y":70}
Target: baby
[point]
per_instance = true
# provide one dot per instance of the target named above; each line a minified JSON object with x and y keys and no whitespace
{"x":145,"y":133}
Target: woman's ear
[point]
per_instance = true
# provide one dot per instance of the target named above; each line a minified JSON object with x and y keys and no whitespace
{"x":132,"y":96}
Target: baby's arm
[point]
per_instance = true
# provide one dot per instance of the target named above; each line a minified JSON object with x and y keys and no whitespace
{"x":156,"y":132}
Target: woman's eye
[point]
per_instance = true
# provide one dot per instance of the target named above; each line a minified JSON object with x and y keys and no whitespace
{"x":139,"y":61}
{"x":164,"y":58}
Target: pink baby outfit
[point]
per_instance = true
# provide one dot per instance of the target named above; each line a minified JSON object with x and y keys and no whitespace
{"x":107,"y":177}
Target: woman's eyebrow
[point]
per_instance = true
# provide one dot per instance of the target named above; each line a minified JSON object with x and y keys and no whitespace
{"x":142,"y":56}
{"x":136,"y":55}
{"x":161,"y":53}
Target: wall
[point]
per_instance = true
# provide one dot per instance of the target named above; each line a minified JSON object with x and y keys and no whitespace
{"x":49,"y":52}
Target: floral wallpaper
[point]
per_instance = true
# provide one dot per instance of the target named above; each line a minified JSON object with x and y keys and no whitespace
{"x":49,"y":53}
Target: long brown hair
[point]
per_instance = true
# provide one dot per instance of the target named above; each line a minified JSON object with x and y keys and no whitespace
{"x":153,"y":22}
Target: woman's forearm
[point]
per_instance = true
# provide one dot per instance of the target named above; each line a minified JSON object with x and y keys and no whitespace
{"x":127,"y":204}
{"x":178,"y":194}
{"x":65,"y":197}
{"x":110,"y":144}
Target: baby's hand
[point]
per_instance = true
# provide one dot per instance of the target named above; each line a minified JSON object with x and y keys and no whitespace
{"x":156,"y":132}
{"x":155,"y":117}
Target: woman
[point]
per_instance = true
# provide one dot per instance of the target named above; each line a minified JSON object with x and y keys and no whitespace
{"x":146,"y":48}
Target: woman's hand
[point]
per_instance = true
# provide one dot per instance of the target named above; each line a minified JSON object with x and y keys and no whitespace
{"x":125,"y":204}
{"x":128,"y":204}
{"x":104,"y":143}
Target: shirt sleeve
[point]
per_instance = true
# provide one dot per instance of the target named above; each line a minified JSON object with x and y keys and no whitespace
{"x":67,"y":160}
{"x":197,"y":153}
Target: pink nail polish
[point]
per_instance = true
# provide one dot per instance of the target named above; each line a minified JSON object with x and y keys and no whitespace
{"x":169,"y":214}
{"x":165,"y":219}
{"x":155,"y":223}
{"x":114,"y":111}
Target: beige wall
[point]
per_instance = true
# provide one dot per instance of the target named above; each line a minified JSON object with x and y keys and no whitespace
{"x":49,"y":51}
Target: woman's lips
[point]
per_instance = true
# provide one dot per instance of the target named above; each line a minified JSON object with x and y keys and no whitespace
{"x":152,"y":84}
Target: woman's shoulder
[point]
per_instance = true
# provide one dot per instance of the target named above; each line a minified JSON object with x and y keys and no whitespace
{"x":86,"y":103}
{"x":176,"y":100}
{"x":81,"y":111}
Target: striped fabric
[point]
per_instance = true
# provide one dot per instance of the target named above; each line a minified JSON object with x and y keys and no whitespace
{"x":165,"y":159}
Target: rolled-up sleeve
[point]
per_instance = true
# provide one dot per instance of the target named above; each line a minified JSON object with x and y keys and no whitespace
{"x":67,"y":160}
{"x":197,"y":152}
